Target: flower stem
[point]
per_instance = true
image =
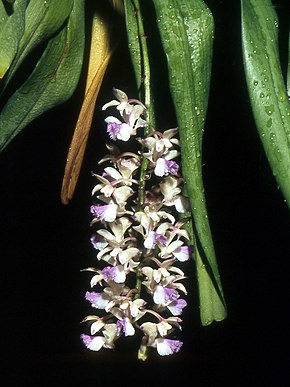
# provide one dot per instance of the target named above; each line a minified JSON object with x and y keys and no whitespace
{"x":146,"y":76}
{"x":146,"y":72}
{"x":146,"y":91}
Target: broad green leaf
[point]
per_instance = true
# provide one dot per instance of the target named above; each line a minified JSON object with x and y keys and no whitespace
{"x":186,"y":29}
{"x":266,"y":86}
{"x":11,"y":31}
{"x":42,"y":20}
{"x":53,"y":80}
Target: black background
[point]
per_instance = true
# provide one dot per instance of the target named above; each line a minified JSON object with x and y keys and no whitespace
{"x":44,"y":244}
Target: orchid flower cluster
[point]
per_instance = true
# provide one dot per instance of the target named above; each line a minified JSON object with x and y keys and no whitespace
{"x":140,"y":244}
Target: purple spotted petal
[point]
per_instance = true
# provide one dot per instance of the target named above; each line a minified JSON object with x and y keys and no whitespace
{"x":94,"y":343}
{"x":98,"y":299}
{"x":107,"y":212}
{"x":176,"y":307}
{"x":167,"y":346}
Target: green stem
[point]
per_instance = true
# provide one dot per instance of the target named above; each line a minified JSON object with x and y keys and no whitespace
{"x":145,"y":65}
{"x":141,"y":65}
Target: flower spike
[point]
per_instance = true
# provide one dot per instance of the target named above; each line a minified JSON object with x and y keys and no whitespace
{"x":143,"y":245}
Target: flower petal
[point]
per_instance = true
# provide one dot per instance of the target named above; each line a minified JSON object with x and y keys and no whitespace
{"x":177,"y":306}
{"x":98,"y":299}
{"x":167,"y":346}
{"x":182,"y":253}
{"x":93,"y":343}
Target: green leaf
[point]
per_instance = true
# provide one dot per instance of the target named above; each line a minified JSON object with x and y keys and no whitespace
{"x":53,"y":80}
{"x":288,"y":70}
{"x":42,"y":20}
{"x":11,"y":31}
{"x":266,"y":86}
{"x":134,"y":40}
{"x":186,"y":29}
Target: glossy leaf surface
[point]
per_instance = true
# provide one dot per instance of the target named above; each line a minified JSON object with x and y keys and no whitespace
{"x":42,"y":20}
{"x":134,"y":40}
{"x":186,"y":29}
{"x":267,"y":89}
{"x":11,"y":30}
{"x":52,"y":81}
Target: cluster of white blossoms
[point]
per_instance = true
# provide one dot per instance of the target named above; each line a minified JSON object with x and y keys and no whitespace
{"x":137,"y":286}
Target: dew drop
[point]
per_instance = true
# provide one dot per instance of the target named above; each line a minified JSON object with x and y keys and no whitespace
{"x":269,"y":122}
{"x":197,"y":111}
{"x":281,"y":97}
{"x":277,"y":154}
{"x":269,"y":109}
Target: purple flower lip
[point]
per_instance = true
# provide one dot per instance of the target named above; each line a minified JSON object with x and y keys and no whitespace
{"x":107,"y":212}
{"x":113,"y":129}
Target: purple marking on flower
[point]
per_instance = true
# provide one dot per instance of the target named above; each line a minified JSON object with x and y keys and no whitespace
{"x":170,"y":294}
{"x":118,"y":130}
{"x":113,"y":129}
{"x":164,"y":295}
{"x":109,"y":272}
{"x":182,"y":253}
{"x":125,"y":326}
{"x":153,"y":238}
{"x":94,"y":343}
{"x":161,"y":239}
{"x":107,"y":212}
{"x":167,"y":346}
{"x":165,"y":167}
{"x":98,"y":299}
{"x":107,"y":176}
{"x":114,"y":273}
{"x":177,"y":306}
{"x":120,"y":326}
{"x":98,"y":242}
{"x":172,"y":167}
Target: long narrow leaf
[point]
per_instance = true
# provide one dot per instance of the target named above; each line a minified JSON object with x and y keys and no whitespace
{"x":266,"y":86}
{"x":11,"y":31}
{"x":288,"y":70}
{"x":53,"y":80}
{"x":42,"y":20}
{"x":134,"y":40}
{"x":186,"y":29}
